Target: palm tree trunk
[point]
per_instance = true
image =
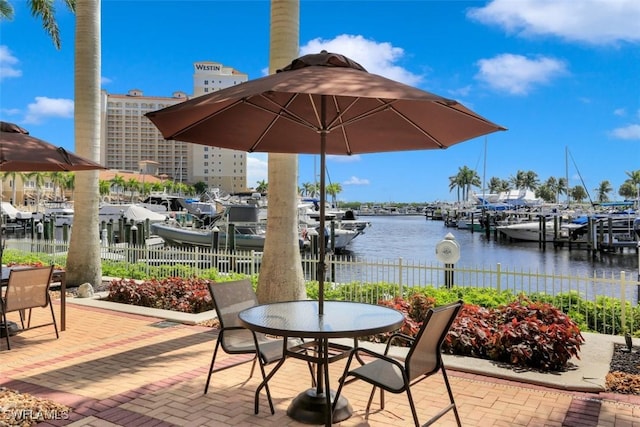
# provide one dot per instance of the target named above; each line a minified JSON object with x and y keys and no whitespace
{"x":281,"y":276}
{"x":83,"y":261}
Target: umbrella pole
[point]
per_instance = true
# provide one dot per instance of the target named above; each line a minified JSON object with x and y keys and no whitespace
{"x":321,"y":239}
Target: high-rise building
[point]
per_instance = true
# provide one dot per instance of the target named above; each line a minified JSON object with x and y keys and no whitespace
{"x":129,"y":139}
{"x":217,"y":167}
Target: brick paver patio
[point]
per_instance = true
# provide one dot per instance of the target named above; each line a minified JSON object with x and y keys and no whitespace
{"x":118,"y":369}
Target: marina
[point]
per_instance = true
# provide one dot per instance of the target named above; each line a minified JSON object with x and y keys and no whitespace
{"x":411,"y":237}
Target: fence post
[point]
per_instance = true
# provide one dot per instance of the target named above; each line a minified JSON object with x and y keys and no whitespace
{"x":623,"y":303}
{"x":498,"y":277}
{"x":400,"y":285}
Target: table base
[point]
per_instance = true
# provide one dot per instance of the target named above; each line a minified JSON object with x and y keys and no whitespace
{"x":310,"y":408}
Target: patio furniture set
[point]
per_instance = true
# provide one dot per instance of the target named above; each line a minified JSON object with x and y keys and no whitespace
{"x":278,"y":331}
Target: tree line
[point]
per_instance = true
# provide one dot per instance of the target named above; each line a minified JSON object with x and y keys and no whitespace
{"x":549,"y":190}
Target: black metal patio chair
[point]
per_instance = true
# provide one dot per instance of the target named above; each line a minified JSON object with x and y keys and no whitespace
{"x":423,"y":360}
{"x":27,"y":289}
{"x":229,"y":299}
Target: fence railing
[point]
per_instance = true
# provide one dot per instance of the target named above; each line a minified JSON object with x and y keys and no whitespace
{"x":621,"y":287}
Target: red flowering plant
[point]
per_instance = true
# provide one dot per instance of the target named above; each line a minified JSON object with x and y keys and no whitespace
{"x":188,"y":295}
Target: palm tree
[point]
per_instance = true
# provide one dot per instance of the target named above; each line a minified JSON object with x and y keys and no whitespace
{"x":38,"y":179}
{"x":563,"y":188}
{"x":44,"y":10}
{"x":603,"y":191}
{"x":454,"y":183}
{"x":70,"y":183}
{"x":578,"y":193}
{"x":497,"y":185}
{"x":464,"y":180}
{"x":281,"y":276}
{"x":634,"y":178}
{"x":57,"y":179}
{"x":119,"y":183}
{"x":83,"y":261}
{"x":104,"y":187}
{"x":262,"y":186}
{"x":333,"y":190}
{"x":132,"y":185}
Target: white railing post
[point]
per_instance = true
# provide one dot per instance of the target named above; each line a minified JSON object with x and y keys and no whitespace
{"x":623,"y":302}
{"x":400,"y":285}
{"x":498,"y":277}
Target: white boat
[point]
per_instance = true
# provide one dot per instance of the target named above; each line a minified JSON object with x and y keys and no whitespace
{"x":528,"y":231}
{"x":249,"y":233}
{"x":12,"y":214}
{"x":130,"y":212}
{"x":59,"y":212}
{"x":343,"y":225}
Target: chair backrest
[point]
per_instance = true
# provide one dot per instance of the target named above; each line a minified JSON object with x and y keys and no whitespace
{"x":28,"y":288}
{"x":424,"y":357}
{"x":230,"y":298}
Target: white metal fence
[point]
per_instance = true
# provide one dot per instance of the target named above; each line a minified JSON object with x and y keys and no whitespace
{"x":623,"y":287}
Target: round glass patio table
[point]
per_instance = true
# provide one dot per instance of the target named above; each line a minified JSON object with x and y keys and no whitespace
{"x":300,"y":319}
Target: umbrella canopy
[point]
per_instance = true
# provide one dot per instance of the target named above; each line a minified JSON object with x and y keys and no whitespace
{"x":21,"y":152}
{"x":322,"y":104}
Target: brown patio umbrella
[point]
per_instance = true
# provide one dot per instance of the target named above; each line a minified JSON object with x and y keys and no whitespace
{"x":321,"y":104}
{"x":21,"y":152}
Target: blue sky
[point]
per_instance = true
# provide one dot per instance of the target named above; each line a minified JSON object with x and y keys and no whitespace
{"x":557,"y":73}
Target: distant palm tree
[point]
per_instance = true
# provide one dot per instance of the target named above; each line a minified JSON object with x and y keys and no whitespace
{"x":578,"y":193}
{"x":603,"y":190}
{"x":119,"y":184}
{"x":634,"y":178}
{"x":38,"y":179}
{"x":464,"y":180}
{"x":262,"y":186}
{"x":333,"y":190}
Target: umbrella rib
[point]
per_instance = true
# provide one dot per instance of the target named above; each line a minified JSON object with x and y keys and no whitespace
{"x":284,"y":112}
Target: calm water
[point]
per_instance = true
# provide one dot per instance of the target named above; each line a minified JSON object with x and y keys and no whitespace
{"x":415,"y":238}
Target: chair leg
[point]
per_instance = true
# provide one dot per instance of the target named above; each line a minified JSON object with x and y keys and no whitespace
{"x":453,"y":403}
{"x":53,"y":316}
{"x":413,"y":407}
{"x":265,"y":384}
{"x":213,"y":361}
{"x":342,"y":380}
{"x":373,"y":392}
{"x":6,"y":329}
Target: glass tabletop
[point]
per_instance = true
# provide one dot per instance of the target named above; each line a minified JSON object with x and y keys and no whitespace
{"x":341,"y":319}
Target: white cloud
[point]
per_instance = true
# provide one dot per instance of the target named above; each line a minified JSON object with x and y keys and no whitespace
{"x":627,"y":132}
{"x":8,"y":64}
{"x":257,"y":169}
{"x":105,"y":80}
{"x":587,"y":21}
{"x":376,"y":58}
{"x":354,"y":180}
{"x":10,"y":111}
{"x":48,"y":107}
{"x":344,"y":159}
{"x":620,"y":112}
{"x":517,"y":74}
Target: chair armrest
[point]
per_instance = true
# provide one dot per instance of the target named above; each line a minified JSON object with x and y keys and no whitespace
{"x":398,"y":335}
